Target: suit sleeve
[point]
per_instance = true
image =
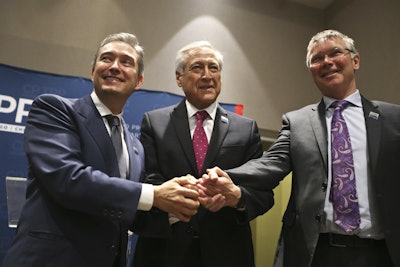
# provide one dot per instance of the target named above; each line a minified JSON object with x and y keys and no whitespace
{"x":256,"y":201}
{"x":55,"y":142}
{"x":266,"y":172}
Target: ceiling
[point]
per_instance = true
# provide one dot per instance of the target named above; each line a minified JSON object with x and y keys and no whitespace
{"x":319,"y":4}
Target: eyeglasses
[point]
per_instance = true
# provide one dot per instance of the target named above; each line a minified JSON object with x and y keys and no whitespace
{"x":335,"y":54}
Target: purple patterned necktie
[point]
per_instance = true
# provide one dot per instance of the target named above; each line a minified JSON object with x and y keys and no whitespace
{"x":343,"y":192}
{"x":200,"y":142}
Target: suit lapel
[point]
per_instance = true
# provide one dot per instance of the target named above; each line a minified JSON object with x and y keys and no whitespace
{"x":220,"y":130}
{"x":372,"y":124}
{"x":318,"y":124}
{"x":373,"y":128}
{"x":181,"y":125}
{"x":134,"y":156}
{"x":95,"y":126}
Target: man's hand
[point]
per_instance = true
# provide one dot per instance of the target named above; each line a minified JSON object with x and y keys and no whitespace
{"x":217,"y":190}
{"x":178,"y":196}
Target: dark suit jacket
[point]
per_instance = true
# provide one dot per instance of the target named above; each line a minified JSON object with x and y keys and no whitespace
{"x":77,"y":211}
{"x":302,"y":148}
{"x":225,"y":236}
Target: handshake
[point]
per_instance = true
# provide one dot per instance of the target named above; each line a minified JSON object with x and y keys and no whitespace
{"x":181,"y":196}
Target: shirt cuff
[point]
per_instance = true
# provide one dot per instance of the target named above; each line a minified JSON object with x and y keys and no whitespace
{"x":146,"y":197}
{"x":172,"y":219}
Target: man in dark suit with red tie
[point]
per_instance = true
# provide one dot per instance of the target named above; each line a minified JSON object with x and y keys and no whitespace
{"x":220,"y":235}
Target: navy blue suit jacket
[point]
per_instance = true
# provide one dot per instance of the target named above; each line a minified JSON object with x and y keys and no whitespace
{"x":78,"y":210}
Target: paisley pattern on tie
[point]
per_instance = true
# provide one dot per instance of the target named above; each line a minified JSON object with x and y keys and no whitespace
{"x":200,"y":142}
{"x":343,"y":194}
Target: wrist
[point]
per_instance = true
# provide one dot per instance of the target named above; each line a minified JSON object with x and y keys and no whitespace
{"x":156,"y":190}
{"x":236,"y":195}
{"x":241,"y":203}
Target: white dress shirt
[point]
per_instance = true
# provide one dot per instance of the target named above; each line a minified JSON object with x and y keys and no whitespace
{"x":208,"y":123}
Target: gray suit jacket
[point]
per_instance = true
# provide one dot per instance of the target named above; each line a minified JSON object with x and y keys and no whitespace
{"x":301,"y":148}
{"x":225,"y":236}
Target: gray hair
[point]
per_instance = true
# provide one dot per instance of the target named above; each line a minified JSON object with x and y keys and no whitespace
{"x":182,"y":54}
{"x":329,"y":34}
{"x":127,"y":38}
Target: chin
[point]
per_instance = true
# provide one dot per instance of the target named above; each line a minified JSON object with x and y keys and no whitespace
{"x":108,"y":88}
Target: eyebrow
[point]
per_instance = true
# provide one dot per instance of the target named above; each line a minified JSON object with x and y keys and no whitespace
{"x":204,"y":62}
{"x":333,"y":49}
{"x":119,"y":55}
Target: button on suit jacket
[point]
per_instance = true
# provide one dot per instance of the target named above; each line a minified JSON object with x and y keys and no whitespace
{"x":301,"y":147}
{"x":225,"y":236}
{"x":78,"y":210}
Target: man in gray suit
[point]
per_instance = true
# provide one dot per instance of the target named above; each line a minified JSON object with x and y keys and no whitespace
{"x":220,"y":235}
{"x":364,"y":229}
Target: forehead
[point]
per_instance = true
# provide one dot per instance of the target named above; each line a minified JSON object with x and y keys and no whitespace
{"x":326,"y":45}
{"x":119,"y":48}
{"x":202,"y":54}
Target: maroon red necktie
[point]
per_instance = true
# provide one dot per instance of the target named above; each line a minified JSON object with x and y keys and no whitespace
{"x":200,"y":142}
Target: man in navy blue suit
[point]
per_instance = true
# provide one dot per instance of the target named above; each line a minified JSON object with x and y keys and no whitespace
{"x":79,"y":206}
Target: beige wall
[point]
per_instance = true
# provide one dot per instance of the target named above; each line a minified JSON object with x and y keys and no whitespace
{"x":266,"y":228}
{"x":263,"y":43}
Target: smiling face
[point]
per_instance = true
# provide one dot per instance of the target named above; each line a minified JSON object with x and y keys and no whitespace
{"x":201,"y":77}
{"x":333,"y":68}
{"x":115,"y":74}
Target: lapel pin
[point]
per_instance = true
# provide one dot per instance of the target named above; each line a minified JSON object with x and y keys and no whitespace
{"x":373,"y":115}
{"x":224,"y":119}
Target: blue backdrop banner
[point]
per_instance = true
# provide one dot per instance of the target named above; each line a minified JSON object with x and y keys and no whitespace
{"x":18,"y":89}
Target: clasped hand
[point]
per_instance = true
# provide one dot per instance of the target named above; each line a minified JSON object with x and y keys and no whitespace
{"x":181,"y":196}
{"x":216,"y":190}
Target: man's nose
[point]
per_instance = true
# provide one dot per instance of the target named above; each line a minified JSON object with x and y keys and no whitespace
{"x":114,"y":67}
{"x":207,"y":74}
{"x":114,"y":64}
{"x":327,"y":59}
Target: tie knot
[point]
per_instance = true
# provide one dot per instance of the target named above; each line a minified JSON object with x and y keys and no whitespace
{"x":112,"y":120}
{"x":201,"y":115}
{"x":340,"y":104}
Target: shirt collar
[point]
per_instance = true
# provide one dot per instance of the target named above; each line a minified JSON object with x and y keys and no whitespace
{"x":103,"y":109}
{"x":354,"y":99}
{"x":211,"y":110}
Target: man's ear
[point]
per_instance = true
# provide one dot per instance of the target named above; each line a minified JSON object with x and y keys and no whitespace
{"x":178,"y":77}
{"x":356,"y":62}
{"x":139,"y":82}
{"x":91,"y":74}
